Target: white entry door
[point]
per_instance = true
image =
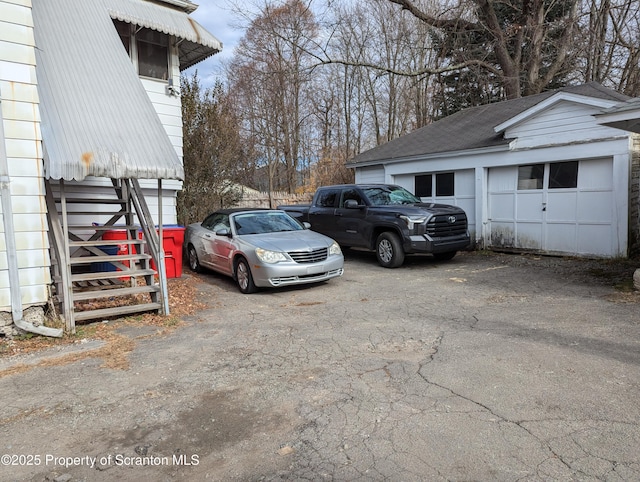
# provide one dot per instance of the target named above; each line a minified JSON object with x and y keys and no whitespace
{"x":562,"y":207}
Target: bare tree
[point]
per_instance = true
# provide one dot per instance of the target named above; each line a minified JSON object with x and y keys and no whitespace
{"x":527,"y":42}
{"x":269,"y":76}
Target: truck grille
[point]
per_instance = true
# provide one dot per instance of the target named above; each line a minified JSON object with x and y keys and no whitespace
{"x":441,"y":226}
{"x":309,"y":256}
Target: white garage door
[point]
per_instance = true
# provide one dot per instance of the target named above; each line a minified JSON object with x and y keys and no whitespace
{"x":563,"y":207}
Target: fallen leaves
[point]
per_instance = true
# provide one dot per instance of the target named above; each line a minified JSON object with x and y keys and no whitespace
{"x":182,"y":302}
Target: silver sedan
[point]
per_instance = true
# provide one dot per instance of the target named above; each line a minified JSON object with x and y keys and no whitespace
{"x":261,"y":248}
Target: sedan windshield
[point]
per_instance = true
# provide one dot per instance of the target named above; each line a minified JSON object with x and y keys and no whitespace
{"x":265,"y":222}
{"x":384,"y":195}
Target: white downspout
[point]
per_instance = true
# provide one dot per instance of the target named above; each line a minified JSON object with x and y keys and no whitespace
{"x":10,"y":241}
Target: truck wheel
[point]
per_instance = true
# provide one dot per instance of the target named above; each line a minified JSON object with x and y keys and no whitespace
{"x":389,"y":250}
{"x":445,"y":256}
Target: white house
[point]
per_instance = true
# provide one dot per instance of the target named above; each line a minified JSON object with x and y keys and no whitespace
{"x":540,"y":173}
{"x":90,"y":139}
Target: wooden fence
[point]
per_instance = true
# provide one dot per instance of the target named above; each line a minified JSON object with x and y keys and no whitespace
{"x":272,"y":200}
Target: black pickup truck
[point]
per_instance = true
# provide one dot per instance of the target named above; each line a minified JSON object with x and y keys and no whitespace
{"x":385,"y":218}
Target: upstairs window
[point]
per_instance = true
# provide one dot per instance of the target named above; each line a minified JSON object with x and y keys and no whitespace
{"x":148,"y":49}
{"x":124,"y":31}
{"x":153,"y":54}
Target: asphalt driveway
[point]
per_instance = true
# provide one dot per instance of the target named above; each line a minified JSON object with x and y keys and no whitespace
{"x":487,"y":367}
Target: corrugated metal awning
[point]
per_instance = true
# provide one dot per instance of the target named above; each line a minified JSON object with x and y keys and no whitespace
{"x":97,"y":119}
{"x":196,"y":43}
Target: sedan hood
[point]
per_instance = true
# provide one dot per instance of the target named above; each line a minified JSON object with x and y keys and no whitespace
{"x":288,"y":240}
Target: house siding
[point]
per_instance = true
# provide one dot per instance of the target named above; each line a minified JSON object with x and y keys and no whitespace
{"x":561,"y":124}
{"x":22,"y":143}
{"x":634,"y":197}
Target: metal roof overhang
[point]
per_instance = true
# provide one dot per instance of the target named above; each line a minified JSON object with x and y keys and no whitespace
{"x":97,"y":118}
{"x":195,"y":44}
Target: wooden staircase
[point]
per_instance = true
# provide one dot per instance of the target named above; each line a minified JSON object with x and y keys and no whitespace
{"x":104,"y":270}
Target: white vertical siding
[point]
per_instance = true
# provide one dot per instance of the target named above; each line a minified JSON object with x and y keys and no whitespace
{"x":21,"y":126}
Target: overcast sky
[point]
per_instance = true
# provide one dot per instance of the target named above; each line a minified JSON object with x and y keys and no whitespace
{"x":217,"y":18}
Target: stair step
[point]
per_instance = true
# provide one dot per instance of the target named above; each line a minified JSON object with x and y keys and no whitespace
{"x":113,"y":292}
{"x":78,"y":200}
{"x":97,"y":213}
{"x":108,"y":259}
{"x":111,"y":274}
{"x":116,"y":311}
{"x":106,"y":242}
{"x":101,"y":227}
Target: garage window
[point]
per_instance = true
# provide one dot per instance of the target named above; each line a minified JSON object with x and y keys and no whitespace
{"x":530,"y":176}
{"x":563,"y":175}
{"x":443,"y":183}
{"x":424,"y":185}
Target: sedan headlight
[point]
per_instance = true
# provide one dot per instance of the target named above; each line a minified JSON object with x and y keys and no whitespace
{"x":335,"y":248}
{"x":413,"y":219}
{"x":270,"y":257}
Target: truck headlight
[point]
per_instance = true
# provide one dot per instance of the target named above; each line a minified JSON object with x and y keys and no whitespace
{"x":270,"y":257}
{"x":413,"y":219}
{"x":335,"y":248}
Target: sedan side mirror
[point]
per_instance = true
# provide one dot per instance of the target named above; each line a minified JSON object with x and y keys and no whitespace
{"x":306,"y":225}
{"x":223,"y":232}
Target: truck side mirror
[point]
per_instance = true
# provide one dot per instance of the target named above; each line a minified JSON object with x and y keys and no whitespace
{"x":351,"y":204}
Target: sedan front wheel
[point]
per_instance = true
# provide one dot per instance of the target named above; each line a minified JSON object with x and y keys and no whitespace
{"x":244,"y":277}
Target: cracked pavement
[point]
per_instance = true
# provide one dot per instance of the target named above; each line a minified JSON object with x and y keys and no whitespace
{"x":487,"y":367}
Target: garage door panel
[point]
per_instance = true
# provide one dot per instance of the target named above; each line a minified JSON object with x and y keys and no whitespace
{"x":503,"y":179}
{"x":562,"y":206}
{"x":595,"y":207}
{"x":529,"y":236}
{"x":502,"y":206}
{"x":502,"y":234}
{"x":561,"y":237}
{"x":595,"y":239}
{"x":529,"y":206}
{"x":596,"y":174}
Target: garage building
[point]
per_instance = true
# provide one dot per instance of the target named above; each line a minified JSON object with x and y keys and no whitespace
{"x":539,"y":173}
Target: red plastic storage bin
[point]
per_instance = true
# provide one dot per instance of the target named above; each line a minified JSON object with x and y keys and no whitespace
{"x":172,"y":239}
{"x":117,"y":234}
